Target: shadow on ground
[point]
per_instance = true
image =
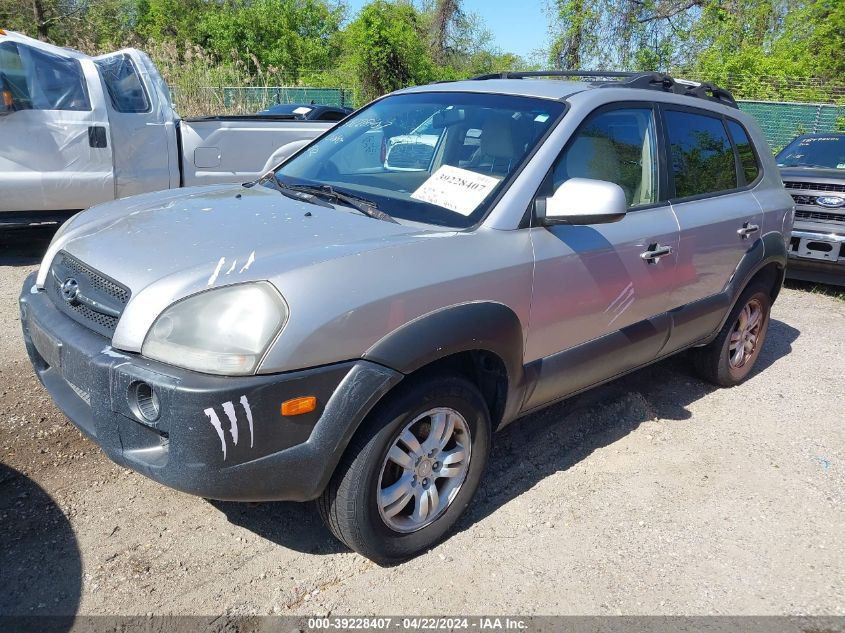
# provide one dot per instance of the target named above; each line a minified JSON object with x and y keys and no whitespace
{"x":295,"y":526}
{"x":557,"y":438}
{"x":534,"y":447}
{"x":40,"y":562}
{"x":25,"y":247}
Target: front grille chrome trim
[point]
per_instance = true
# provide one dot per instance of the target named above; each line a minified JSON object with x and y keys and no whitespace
{"x":97,"y":301}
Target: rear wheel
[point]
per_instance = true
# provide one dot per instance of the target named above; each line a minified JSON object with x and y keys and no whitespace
{"x":729,"y":359}
{"x":410,"y":470}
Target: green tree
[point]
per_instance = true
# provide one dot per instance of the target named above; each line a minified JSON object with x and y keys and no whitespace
{"x":386,"y":48}
{"x":288,"y":35}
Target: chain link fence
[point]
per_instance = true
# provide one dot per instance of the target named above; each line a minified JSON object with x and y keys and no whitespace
{"x":784,"y":107}
{"x":783,"y":121}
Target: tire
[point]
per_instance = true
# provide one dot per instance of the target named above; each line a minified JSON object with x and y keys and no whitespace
{"x":717,"y":362}
{"x":354,"y":505}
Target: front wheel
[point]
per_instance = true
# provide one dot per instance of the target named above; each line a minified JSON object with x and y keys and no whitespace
{"x":729,"y":359}
{"x":411,"y":469}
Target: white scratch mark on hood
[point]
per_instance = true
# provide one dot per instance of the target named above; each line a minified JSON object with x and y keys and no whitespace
{"x":232,"y":267}
{"x":248,"y":262}
{"x":245,"y":404}
{"x":229,"y":410}
{"x":215,"y":422}
{"x":216,"y":272}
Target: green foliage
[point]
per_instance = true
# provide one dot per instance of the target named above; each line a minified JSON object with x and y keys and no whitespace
{"x":386,"y":48}
{"x":279,"y":35}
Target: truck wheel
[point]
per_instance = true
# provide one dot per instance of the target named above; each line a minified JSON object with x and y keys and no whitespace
{"x":728,"y":360}
{"x":410,"y":470}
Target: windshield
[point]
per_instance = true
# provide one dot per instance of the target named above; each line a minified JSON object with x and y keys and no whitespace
{"x":445,"y":172}
{"x":814,"y":151}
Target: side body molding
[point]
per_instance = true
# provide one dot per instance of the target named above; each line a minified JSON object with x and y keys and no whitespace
{"x":475,"y":326}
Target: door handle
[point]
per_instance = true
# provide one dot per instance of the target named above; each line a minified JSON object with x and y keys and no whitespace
{"x":97,"y":136}
{"x":655,"y":252}
{"x":747,"y":230}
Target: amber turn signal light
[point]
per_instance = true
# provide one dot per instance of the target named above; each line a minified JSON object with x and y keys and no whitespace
{"x":298,"y":406}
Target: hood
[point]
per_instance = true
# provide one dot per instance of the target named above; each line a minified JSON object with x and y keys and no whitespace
{"x":812,"y":173}
{"x":218,"y":235}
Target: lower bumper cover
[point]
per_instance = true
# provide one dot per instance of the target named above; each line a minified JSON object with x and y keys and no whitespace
{"x":216,"y":437}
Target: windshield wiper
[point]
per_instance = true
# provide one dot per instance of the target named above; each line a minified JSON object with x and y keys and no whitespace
{"x":365,"y":206}
{"x":290,"y":192}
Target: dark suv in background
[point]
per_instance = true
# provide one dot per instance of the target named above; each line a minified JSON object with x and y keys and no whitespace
{"x":813,"y":170}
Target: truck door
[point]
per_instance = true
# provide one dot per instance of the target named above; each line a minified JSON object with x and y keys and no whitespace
{"x":56,"y":144}
{"x":142,"y":123}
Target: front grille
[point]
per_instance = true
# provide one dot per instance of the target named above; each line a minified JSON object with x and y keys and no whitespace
{"x":813,"y":186}
{"x":93,"y":286}
{"x":820,"y":216}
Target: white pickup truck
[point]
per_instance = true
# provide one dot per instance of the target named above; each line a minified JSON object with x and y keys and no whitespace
{"x":79,"y":130}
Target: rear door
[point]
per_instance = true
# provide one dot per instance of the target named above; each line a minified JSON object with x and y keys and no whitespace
{"x":56,"y":140}
{"x":600,"y":305}
{"x":142,"y":124}
{"x":719,"y":218}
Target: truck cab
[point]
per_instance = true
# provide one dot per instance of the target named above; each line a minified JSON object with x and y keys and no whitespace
{"x":80,"y":130}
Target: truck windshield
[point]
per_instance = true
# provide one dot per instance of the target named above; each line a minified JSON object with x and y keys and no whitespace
{"x":814,"y":151}
{"x":437,"y":158}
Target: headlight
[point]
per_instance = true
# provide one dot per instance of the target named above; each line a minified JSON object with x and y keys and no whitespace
{"x":224,"y":331}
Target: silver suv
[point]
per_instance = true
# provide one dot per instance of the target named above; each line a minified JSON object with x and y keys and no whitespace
{"x":352,"y":330}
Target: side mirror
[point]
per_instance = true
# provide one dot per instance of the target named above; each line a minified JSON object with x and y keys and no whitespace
{"x":583,"y":201}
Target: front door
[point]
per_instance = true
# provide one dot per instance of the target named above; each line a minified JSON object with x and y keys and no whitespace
{"x":56,"y":144}
{"x":143,"y":128}
{"x":600,"y":299}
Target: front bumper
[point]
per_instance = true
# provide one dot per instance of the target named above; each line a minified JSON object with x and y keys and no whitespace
{"x":216,"y":437}
{"x":817,"y":255}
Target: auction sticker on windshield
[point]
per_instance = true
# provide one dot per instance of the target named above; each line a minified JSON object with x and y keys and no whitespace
{"x":456,"y":189}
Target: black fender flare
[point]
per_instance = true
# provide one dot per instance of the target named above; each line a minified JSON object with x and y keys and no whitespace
{"x":474,"y":326}
{"x":774,"y":251}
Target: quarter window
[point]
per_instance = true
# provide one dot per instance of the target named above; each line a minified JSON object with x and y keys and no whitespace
{"x":618,"y":146}
{"x":702,"y":158}
{"x":123,"y":84}
{"x":746,"y":152}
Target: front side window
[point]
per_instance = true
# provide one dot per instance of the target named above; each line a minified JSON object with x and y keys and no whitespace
{"x":13,"y":76}
{"x":124,"y":85}
{"x":747,"y":159}
{"x":437,"y":158}
{"x":701,"y":156}
{"x":39,"y":80}
{"x":618,"y":146}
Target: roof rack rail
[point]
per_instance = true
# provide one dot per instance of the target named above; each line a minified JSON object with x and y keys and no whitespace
{"x":646,"y":81}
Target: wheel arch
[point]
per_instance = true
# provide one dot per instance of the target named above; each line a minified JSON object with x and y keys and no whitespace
{"x":481,"y":340}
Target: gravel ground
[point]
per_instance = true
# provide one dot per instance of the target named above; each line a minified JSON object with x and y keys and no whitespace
{"x":655,"y":494}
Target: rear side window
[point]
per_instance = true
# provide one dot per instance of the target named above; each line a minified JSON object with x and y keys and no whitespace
{"x":702,"y":158}
{"x":39,"y":80}
{"x":747,"y":158}
{"x":124,"y":85}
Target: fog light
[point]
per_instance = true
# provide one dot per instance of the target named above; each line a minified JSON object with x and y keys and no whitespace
{"x":144,"y":401}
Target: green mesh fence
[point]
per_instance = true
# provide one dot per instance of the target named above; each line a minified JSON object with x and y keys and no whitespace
{"x":783,"y":121}
{"x":258,"y":98}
